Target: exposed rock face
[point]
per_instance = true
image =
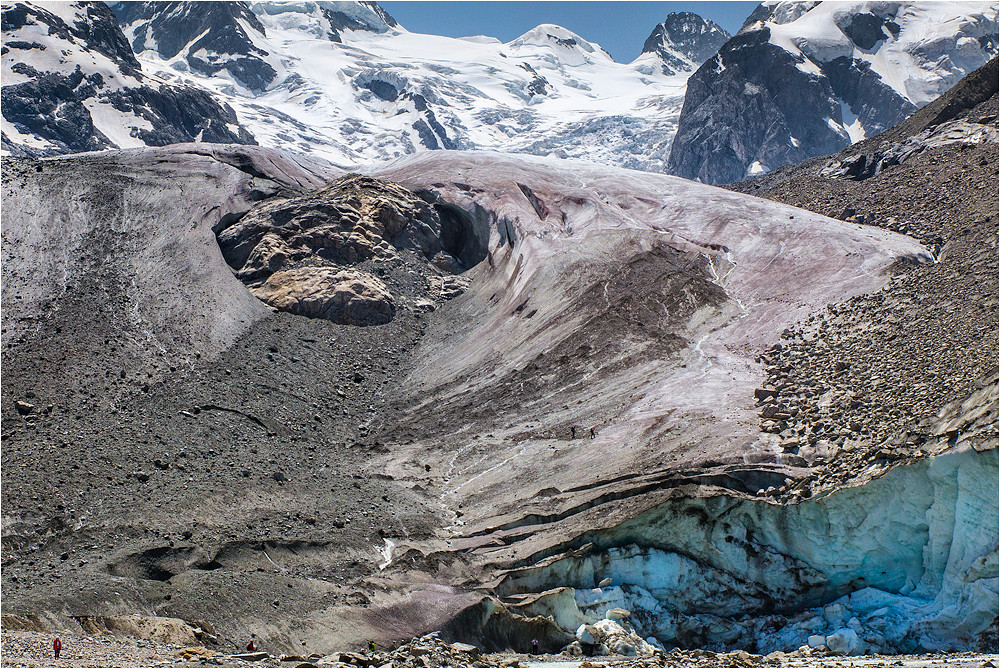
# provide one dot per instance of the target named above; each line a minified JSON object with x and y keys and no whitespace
{"x":212,"y":36}
{"x":684,"y":41}
{"x":356,"y":221}
{"x":739,"y":111}
{"x":349,"y":297}
{"x":862,"y":166}
{"x":803,"y":79}
{"x":965,"y":115}
{"x":93,"y":96}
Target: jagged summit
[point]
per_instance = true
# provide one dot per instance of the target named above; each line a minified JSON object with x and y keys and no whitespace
{"x":327,"y":20}
{"x":778,"y":12}
{"x":684,"y":41}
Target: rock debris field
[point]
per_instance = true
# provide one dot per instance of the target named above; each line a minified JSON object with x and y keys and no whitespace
{"x":34,"y":649}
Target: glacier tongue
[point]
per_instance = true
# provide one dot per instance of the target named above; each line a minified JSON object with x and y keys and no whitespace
{"x":907,"y":563}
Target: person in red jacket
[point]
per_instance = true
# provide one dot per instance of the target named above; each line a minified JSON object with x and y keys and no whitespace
{"x":56,"y":646}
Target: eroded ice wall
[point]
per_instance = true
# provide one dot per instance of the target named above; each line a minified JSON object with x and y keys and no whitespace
{"x":908,"y":562}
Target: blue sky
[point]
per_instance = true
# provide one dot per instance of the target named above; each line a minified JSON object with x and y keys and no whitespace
{"x":619,"y":27}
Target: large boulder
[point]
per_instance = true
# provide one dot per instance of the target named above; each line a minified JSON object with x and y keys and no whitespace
{"x":347,"y":296}
{"x":354,"y":222}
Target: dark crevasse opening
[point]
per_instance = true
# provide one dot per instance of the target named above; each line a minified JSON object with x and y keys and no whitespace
{"x":463,"y":235}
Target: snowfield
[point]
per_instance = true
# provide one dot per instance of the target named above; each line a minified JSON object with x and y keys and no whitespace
{"x":383,"y":92}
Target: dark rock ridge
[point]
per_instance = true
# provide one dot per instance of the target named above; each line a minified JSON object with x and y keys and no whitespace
{"x":96,"y":28}
{"x":744,"y":106}
{"x":354,"y":250}
{"x":684,"y":40}
{"x":193,"y":27}
{"x":967,"y":114}
{"x":52,"y":106}
{"x":757,"y":106}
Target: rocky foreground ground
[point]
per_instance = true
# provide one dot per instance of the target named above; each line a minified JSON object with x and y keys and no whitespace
{"x":34,"y":649}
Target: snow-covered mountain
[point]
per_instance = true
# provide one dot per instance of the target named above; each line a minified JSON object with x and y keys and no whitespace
{"x":72,"y":83}
{"x":344,"y":81}
{"x":807,"y":78}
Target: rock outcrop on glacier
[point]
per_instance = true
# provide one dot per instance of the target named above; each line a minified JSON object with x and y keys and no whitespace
{"x":803,"y":79}
{"x":71,"y":83}
{"x":294,"y":253}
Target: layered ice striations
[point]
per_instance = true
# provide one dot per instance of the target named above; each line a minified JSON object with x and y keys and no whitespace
{"x":907,"y":562}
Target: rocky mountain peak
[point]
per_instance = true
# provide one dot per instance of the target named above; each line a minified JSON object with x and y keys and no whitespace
{"x":89,"y":25}
{"x":684,"y":41}
{"x":778,"y":12}
{"x":326,"y":20}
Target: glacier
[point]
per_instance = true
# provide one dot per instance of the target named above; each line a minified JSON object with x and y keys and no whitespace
{"x":907,"y":562}
{"x":352,"y":86}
